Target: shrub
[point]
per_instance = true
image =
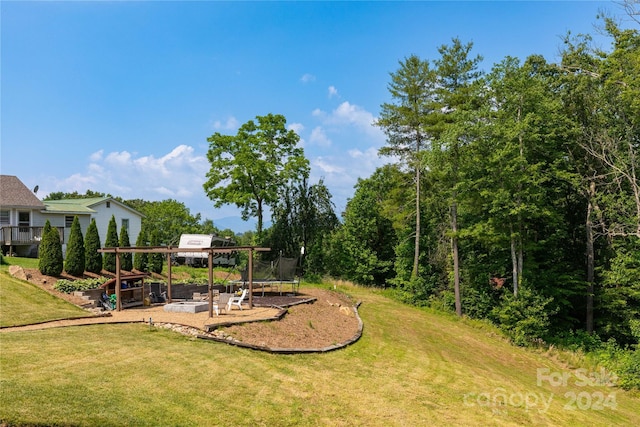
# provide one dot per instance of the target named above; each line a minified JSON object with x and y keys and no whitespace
{"x":126,"y":258}
{"x":51,"y":260}
{"x":109,"y":259}
{"x":155,"y":260}
{"x":141,"y":259}
{"x":525,"y":317}
{"x":93,"y":258}
{"x":75,"y":260}
{"x":69,"y":286}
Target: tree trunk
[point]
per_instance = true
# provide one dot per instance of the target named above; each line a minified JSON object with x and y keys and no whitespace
{"x":514,"y":263}
{"x":590,"y":259}
{"x":259,"y":202}
{"x":454,"y":250}
{"x":416,"y":253}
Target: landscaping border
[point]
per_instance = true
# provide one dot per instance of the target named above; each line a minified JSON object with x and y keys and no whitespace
{"x":232,"y":341}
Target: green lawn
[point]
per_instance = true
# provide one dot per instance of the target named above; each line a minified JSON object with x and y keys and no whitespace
{"x":22,"y":303}
{"x":412,"y":367}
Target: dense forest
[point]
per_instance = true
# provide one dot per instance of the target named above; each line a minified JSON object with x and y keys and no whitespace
{"x":513,"y":194}
{"x":510,"y":195}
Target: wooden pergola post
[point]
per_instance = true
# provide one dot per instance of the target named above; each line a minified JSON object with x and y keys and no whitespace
{"x":169,"y":274}
{"x":210,"y":290}
{"x":250,"y":267}
{"x":118,"y":302}
{"x":169,"y":250}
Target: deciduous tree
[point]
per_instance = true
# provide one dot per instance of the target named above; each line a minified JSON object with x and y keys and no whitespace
{"x":249,"y":169}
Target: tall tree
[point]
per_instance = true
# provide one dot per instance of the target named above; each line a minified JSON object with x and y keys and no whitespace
{"x":521,"y":152}
{"x":141,"y":259}
{"x":250,"y":168}
{"x":170,"y":218}
{"x":362,"y":249}
{"x":405,"y":123}
{"x":601,"y":94}
{"x":155,"y":259}
{"x":457,"y":89}
{"x":126,"y":263}
{"x":302,"y":217}
{"x":51,"y":261}
{"x":93,"y":258}
{"x":75,"y":260}
{"x":111,"y":241}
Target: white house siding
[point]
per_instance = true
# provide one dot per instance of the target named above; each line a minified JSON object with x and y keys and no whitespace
{"x":103,"y":216}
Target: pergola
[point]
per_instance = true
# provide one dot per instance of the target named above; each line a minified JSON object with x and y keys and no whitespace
{"x":168,"y":250}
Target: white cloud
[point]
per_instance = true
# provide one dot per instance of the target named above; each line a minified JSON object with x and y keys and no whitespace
{"x":308,"y":78}
{"x":319,"y":113}
{"x":333,"y":91}
{"x":319,"y":137}
{"x":296,"y":127}
{"x":97,"y":156}
{"x":230,"y":124}
{"x":327,"y":167}
{"x":351,"y":115}
{"x":178,"y":174}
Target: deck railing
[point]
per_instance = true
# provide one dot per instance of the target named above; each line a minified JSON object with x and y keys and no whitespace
{"x":21,"y":235}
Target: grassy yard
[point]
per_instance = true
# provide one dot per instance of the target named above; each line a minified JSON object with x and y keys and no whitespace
{"x":23,"y":303}
{"x":411,"y":367}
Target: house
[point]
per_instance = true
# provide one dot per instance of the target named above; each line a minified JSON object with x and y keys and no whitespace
{"x":23,"y":215}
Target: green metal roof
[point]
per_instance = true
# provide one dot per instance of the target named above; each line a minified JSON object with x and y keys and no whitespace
{"x":81,"y":206}
{"x":70,"y":205}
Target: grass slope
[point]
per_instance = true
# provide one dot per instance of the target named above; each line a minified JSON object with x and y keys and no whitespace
{"x":411,"y":367}
{"x":23,"y":303}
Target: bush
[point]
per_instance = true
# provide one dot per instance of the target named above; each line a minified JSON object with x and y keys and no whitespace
{"x":51,"y":260}
{"x":109,"y":259}
{"x":93,"y":258}
{"x":140,"y":259}
{"x":525,"y":317}
{"x":70,"y":286}
{"x":126,"y":258}
{"x":624,"y":362}
{"x":74,"y":262}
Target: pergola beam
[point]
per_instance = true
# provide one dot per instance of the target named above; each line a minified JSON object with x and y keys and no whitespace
{"x":170,"y":250}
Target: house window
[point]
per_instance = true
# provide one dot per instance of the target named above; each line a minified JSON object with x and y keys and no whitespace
{"x":108,"y":205}
{"x":24,"y":220}
{"x":125,"y":224}
{"x":68,"y":221}
{"x":5,"y":219}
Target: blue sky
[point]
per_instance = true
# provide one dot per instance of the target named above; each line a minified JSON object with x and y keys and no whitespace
{"x":120,"y":97}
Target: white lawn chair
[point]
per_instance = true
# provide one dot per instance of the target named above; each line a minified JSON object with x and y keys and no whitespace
{"x":237,"y":300}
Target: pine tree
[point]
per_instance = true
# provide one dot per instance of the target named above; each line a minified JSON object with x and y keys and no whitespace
{"x":140,"y":259}
{"x":126,"y":259}
{"x":155,"y":260}
{"x":92,"y":258}
{"x":75,"y":260}
{"x":51,"y":261}
{"x":109,"y":259}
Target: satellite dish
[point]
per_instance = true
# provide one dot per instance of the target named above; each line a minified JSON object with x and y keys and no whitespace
{"x":35,"y":189}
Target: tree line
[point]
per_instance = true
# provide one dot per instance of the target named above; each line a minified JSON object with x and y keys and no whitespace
{"x":514,"y":195}
{"x":511,"y":194}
